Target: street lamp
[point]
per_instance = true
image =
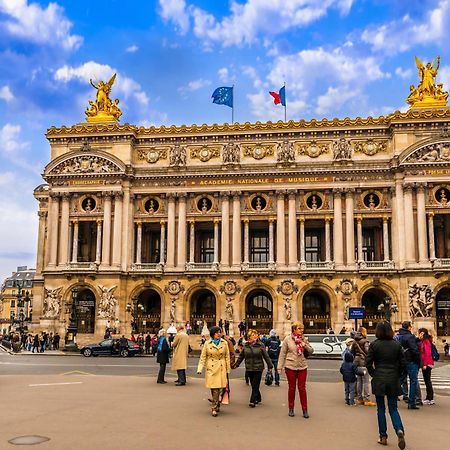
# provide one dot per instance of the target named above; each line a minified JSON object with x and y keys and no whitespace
{"x":72,"y":329}
{"x":134,"y":308}
{"x":388,"y":308}
{"x":23,"y":299}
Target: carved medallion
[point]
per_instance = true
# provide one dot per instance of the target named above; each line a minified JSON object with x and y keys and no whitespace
{"x":259,"y":151}
{"x":152,"y":154}
{"x":313,"y":149}
{"x":347,"y":287}
{"x":230,"y":288}
{"x":174,"y":288}
{"x":205,"y":153}
{"x":370,"y":147}
{"x":287,"y":287}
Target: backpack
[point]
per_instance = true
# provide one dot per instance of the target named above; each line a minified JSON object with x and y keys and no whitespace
{"x":434,"y":353}
{"x":273,"y":347}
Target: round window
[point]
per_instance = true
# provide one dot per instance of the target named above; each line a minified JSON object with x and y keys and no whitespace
{"x":442,"y":195}
{"x":151,"y":205}
{"x":204,"y":204}
{"x":371,"y":200}
{"x":88,"y":204}
{"x":314,"y":201}
{"x":259,"y":203}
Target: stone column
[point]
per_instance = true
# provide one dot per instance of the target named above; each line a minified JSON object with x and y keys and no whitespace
{"x":75,"y":242}
{"x":171,"y":231}
{"x":349,"y":227}
{"x":106,"y":242}
{"x":237,"y":244}
{"x":117,"y":238}
{"x":421,"y":224}
{"x":192,"y":241}
{"x":98,"y":246}
{"x":409,"y":224}
{"x":302,"y":240}
{"x":127,"y":238}
{"x":292,"y":221}
{"x":53,"y":235}
{"x":327,"y":240}
{"x":359,"y":235}
{"x":64,"y":230}
{"x":431,"y":236}
{"x":338,"y":237}
{"x":246,"y":240}
{"x":139,"y":242}
{"x":162,"y":242}
{"x":271,"y":241}
{"x":40,"y":261}
{"x":281,"y":231}
{"x":386,"y":256}
{"x":400,"y":216}
{"x":182,"y":238}
{"x":225,"y":241}
{"x":216,"y":241}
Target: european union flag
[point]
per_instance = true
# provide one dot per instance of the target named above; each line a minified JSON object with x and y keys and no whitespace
{"x":223,"y":96}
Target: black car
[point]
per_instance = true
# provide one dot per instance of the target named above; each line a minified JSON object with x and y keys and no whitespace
{"x":110,"y":347}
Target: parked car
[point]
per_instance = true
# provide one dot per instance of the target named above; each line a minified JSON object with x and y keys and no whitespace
{"x":110,"y":347}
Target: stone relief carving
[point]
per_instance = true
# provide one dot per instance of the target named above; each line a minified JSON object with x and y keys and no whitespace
{"x":229,"y":309}
{"x":152,"y":155}
{"x":85,"y":164}
{"x":177,"y":156}
{"x":288,"y":308}
{"x":173,"y":309}
{"x":347,"y":287}
{"x":205,"y":153}
{"x":421,"y":300}
{"x":370,"y":147}
{"x":108,"y":302}
{"x":258,"y":151}
{"x":342,"y":149}
{"x":285,"y":152}
{"x":313,"y":149}
{"x":52,"y":302}
{"x":439,"y":152}
{"x":230,"y":288}
{"x":231,"y":153}
{"x":287,"y":287}
{"x":174,"y":288}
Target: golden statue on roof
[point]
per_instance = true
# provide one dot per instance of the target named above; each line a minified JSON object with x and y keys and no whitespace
{"x":428,"y":94}
{"x":103,"y":109}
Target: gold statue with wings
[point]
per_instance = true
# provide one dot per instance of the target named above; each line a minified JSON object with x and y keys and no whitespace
{"x":428,"y":94}
{"x":103,"y":109}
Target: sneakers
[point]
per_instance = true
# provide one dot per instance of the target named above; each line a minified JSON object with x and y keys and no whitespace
{"x":401,"y":439}
{"x":360,"y":402}
{"x":426,"y":402}
{"x":413,"y":407}
{"x":369,"y":403}
{"x":291,"y":413}
{"x":382,"y":440}
{"x":214,"y":413}
{"x":252,"y":405}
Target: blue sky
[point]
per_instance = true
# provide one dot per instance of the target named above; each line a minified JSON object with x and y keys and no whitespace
{"x":338,"y":58}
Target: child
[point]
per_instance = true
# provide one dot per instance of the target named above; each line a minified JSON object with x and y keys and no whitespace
{"x":348,"y":370}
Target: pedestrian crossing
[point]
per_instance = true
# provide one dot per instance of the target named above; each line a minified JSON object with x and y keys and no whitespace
{"x":440,"y":378}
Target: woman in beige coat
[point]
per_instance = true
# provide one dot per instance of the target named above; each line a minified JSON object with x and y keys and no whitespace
{"x":180,"y":346}
{"x":216,"y":358}
{"x":292,"y":359}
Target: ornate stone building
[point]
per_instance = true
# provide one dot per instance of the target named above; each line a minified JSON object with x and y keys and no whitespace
{"x":267,"y":223}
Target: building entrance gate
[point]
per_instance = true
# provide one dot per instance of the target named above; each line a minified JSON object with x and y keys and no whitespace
{"x":203,"y":309}
{"x":149,"y":318}
{"x":259,"y":311}
{"x":85,"y":306}
{"x":443,"y":312}
{"x":316,"y":312}
{"x":371,"y":300}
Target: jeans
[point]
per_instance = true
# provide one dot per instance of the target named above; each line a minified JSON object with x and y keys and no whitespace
{"x":413,"y":370}
{"x":427,"y":379}
{"x":297,"y":377}
{"x":162,"y":371}
{"x":362,"y":386}
{"x":255,"y":380}
{"x":350,"y":392}
{"x":275,"y":367}
{"x":393,"y":412}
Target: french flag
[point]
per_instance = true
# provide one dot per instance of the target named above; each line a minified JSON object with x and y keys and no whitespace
{"x":279,"y":97}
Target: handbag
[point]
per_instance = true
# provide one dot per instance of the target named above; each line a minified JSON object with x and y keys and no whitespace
{"x":269,"y":378}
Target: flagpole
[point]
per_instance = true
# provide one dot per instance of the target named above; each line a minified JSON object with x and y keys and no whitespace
{"x":285,"y":102}
{"x":232,"y":108}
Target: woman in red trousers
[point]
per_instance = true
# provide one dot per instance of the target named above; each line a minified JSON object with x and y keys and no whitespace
{"x":292,"y":359}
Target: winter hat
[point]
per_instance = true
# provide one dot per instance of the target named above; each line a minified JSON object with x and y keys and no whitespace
{"x":272,"y":333}
{"x":213,"y":330}
{"x":348,"y":357}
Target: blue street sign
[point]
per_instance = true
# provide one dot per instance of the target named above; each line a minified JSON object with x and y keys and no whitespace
{"x":357,"y":313}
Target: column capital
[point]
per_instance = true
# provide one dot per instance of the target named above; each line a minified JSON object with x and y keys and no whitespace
{"x":349,"y":192}
{"x":236,"y":194}
{"x":54,"y":195}
{"x":421,"y":186}
{"x":337,"y":191}
{"x":408,"y":187}
{"x":359,"y":219}
{"x":280,"y":193}
{"x":191,"y":221}
{"x":302,"y":219}
{"x":246,"y":220}
{"x":182,"y":196}
{"x":138,"y":223}
{"x":118,"y":195}
{"x":292,"y":193}
{"x":385,"y":219}
{"x":99,"y":221}
{"x":272,"y":219}
{"x":225,"y":195}
{"x":42,"y":214}
{"x":216,"y":220}
{"x":327,"y":219}
{"x":430,"y":214}
{"x":171,"y":196}
{"x":162,"y":223}
{"x":66,"y":196}
{"x":75,"y":221}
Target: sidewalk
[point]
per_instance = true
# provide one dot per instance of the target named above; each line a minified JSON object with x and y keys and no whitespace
{"x":124,"y":413}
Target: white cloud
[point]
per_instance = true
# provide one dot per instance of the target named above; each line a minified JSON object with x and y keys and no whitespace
{"x":31,"y":22}
{"x":132,"y":48}
{"x":6,"y":94}
{"x":444,"y":77}
{"x":194,"y":85}
{"x":403,"y":73}
{"x":176,"y":12}
{"x":223,"y":74}
{"x":403,"y":34}
{"x":123,"y":87}
{"x":248,"y":20}
{"x":335,"y":98}
{"x":10,"y":139}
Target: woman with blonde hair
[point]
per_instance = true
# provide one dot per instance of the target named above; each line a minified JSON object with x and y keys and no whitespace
{"x":254,"y":352}
{"x":294,"y":350}
{"x":215,"y":357}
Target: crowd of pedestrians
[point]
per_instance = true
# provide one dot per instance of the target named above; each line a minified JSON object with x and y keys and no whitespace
{"x":34,"y":343}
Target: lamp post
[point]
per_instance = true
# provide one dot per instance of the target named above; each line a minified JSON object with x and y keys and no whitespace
{"x":388,"y":308}
{"x":134,"y":308}
{"x":23,"y":299}
{"x":72,"y":329}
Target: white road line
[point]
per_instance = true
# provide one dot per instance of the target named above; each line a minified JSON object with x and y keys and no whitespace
{"x":54,"y":384}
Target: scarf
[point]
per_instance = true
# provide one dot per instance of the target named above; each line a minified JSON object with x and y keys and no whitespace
{"x":160,"y":343}
{"x":216,"y":342}
{"x":298,"y":342}
{"x":251,"y":341}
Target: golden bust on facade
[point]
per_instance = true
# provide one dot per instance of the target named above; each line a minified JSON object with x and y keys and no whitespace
{"x":103,"y":109}
{"x":428,"y":94}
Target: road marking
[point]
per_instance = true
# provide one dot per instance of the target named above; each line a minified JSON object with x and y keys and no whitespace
{"x":54,"y":384}
{"x":76,"y":372}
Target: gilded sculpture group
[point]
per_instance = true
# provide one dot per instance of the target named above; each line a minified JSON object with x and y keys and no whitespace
{"x":427,"y":94}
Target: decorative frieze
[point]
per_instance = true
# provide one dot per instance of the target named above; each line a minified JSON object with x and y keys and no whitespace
{"x":153,"y":154}
{"x":259,"y":151}
{"x":313,"y":149}
{"x":204,"y":153}
{"x":370,"y":147}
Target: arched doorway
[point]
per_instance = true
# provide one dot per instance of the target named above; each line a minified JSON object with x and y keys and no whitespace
{"x":316,"y":311}
{"x":203,"y":309}
{"x":85,"y":307}
{"x":149,"y":315}
{"x":371,"y":299}
{"x":443,"y":312}
{"x":259,"y":311}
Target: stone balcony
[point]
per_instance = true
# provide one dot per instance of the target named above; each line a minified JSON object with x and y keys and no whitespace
{"x":147,"y":267}
{"x":373,"y":266}
{"x":82,"y":266}
{"x":441,"y":263}
{"x":202,"y":267}
{"x":315,"y":266}
{"x":258,"y":267}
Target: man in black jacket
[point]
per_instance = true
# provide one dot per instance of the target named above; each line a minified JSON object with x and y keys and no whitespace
{"x":412,"y":356}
